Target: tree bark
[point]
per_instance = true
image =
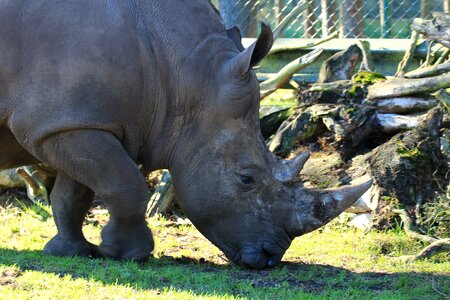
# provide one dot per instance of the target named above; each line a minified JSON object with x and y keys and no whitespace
{"x":402,"y":87}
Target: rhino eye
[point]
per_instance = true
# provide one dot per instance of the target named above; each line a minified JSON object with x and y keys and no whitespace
{"x":246,"y":179}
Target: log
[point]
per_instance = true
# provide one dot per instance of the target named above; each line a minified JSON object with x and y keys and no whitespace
{"x":404,"y":104}
{"x":291,"y":132}
{"x":396,"y":122}
{"x":10,"y":179}
{"x":286,"y":73}
{"x":305,"y":125}
{"x":429,"y":71}
{"x":398,"y":87}
{"x":402,"y":167}
{"x":36,"y":190}
{"x":163,"y":197}
{"x":340,"y":66}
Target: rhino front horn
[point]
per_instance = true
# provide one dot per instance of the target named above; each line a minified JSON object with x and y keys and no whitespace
{"x":314,"y":208}
{"x":288,"y":170}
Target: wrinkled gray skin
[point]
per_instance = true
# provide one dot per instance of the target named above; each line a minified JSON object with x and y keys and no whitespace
{"x":94,"y":88}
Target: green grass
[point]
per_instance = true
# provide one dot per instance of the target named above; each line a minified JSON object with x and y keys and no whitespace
{"x":329,"y":264}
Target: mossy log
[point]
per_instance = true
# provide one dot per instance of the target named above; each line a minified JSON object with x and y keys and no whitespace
{"x":410,"y":165}
{"x":398,"y":87}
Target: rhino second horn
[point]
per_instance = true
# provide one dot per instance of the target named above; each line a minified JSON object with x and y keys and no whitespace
{"x":288,"y":170}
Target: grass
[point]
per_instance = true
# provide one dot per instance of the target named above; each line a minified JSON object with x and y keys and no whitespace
{"x":334,"y":263}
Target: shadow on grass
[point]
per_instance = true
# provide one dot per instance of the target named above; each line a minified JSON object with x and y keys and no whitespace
{"x":205,"y":278}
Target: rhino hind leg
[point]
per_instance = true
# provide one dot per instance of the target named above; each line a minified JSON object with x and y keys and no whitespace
{"x":97,"y":160}
{"x":70,"y":203}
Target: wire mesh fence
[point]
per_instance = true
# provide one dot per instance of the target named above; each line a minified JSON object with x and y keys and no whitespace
{"x":320,"y":18}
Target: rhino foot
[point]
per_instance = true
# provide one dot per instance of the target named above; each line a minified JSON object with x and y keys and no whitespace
{"x":59,"y":246}
{"x":127,"y":242}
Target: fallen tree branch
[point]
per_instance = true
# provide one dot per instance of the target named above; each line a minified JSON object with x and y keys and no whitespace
{"x":401,"y":87}
{"x":286,"y":73}
{"x":436,"y":245}
{"x":408,"y":55}
{"x":291,"y":47}
{"x":429,"y":71}
{"x":443,"y":57}
{"x":434,"y":248}
{"x":409,"y":228}
{"x":427,"y":63}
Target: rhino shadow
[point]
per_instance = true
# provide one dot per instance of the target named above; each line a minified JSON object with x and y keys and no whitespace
{"x":155,"y":274}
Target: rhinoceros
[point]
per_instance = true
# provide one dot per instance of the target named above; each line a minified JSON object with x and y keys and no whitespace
{"x":96,"y":88}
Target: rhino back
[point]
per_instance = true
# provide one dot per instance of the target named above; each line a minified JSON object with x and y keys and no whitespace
{"x":71,"y":64}
{"x":110,"y":65}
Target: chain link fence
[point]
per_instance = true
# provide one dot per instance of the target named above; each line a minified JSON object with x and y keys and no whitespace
{"x":320,"y":18}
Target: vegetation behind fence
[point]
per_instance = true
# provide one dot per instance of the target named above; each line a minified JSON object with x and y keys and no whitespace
{"x":320,"y":18}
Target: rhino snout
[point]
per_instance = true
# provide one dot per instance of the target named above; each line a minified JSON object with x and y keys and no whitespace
{"x":267,"y":255}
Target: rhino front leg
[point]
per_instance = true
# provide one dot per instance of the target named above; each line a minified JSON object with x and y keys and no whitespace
{"x":70,"y":203}
{"x":97,"y":160}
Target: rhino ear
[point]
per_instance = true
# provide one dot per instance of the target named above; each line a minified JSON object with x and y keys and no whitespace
{"x":247,"y":59}
{"x":235,"y":35}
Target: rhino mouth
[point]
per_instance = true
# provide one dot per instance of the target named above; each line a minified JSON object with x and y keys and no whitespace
{"x":259,"y":256}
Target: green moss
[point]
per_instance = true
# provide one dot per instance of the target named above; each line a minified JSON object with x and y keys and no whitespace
{"x":414,"y":154}
{"x":362,"y":79}
{"x":365,"y":77}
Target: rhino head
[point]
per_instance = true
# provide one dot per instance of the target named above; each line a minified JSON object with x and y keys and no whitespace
{"x":245,"y":200}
